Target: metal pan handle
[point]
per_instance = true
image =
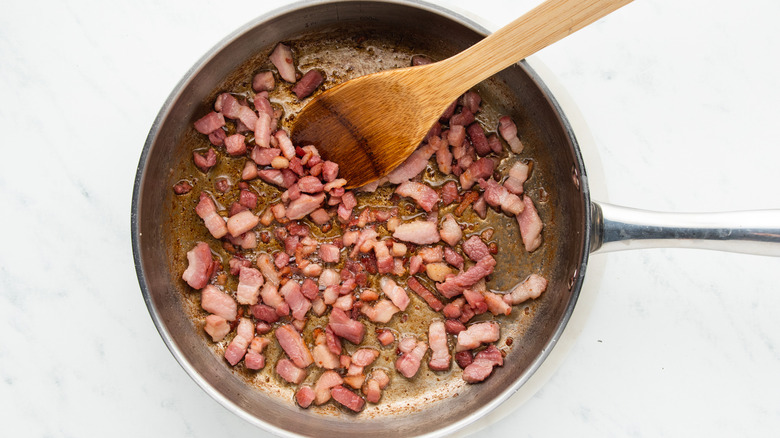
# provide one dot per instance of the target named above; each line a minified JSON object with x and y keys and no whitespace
{"x":616,"y":228}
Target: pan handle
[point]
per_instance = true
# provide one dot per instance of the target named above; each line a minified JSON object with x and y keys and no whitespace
{"x":616,"y":228}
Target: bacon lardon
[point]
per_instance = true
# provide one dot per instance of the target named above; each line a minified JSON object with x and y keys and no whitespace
{"x":249,"y":282}
{"x":482,"y":365}
{"x":440,"y":353}
{"x":207,"y":210}
{"x":215,"y":301}
{"x":423,"y":195}
{"x":345,"y":327}
{"x":217,"y":327}
{"x":200,"y":266}
{"x":531,"y":288}
{"x":292,"y":343}
{"x":455,"y":285}
{"x":477,"y":334}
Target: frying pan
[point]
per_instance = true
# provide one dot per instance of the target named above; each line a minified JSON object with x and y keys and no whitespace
{"x":368,"y":35}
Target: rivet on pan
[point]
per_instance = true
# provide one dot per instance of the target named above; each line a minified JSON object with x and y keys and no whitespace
{"x":573,"y":278}
{"x":575,"y":175}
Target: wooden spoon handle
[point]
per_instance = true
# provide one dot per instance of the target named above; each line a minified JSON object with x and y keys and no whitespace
{"x":540,"y":27}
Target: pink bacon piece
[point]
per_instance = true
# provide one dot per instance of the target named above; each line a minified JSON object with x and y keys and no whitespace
{"x":409,"y":363}
{"x":497,"y":196}
{"x":382,"y":311}
{"x":299,"y":305}
{"x":308,"y":83}
{"x":324,"y":384}
{"x":347,"y":398}
{"x":329,"y":253}
{"x":453,"y":258}
{"x":282,"y":59}
{"x":517,"y":176}
{"x":346,"y":328}
{"x":482,"y":365}
{"x":304,"y":205}
{"x":437,"y":339}
{"x":237,"y":348}
{"x":310,"y":184}
{"x":450,"y":231}
{"x":200,"y":266}
{"x":425,"y":294}
{"x":396,"y":293}
{"x":207,"y":210}
{"x":215,"y":301}
{"x":453,"y":286}
{"x":423,"y":195}
{"x":478,"y":139}
{"x":496,"y":304}
{"x":531,"y":288}
{"x":413,"y":165}
{"x":475,"y":248}
{"x":262,"y":130}
{"x":249,"y":282}
{"x":217,"y":327}
{"x":323,"y":356}
{"x":477,"y":334}
{"x":292,"y":344}
{"x":480,"y":169}
{"x":210,"y":123}
{"x":304,"y":396}
{"x":419,"y":232}
{"x":242,"y":222}
{"x":263,"y":81}
{"x":530,"y":225}
{"x":235,"y":144}
{"x":290,"y":372}
{"x":508,"y":131}
{"x":384,"y":261}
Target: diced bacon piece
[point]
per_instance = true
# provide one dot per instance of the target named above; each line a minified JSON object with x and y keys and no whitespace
{"x":413,"y":165}
{"x":497,"y":195}
{"x":182,"y":188}
{"x":254,"y":361}
{"x":440,"y":353}
{"x":299,"y":305}
{"x":263,"y":81}
{"x":455,"y":285}
{"x":518,"y":174}
{"x":415,"y":264}
{"x":228,"y":105}
{"x":207,"y":210}
{"x":531,"y":288}
{"x":237,"y":348}
{"x":265,"y":313}
{"x":530,"y":225}
{"x":249,"y":282}
{"x":304,"y":205}
{"x":453,"y":258}
{"x":508,"y":131}
{"x":248,"y":117}
{"x":267,"y":268}
{"x":217,"y":138}
{"x":330,"y":171}
{"x":329,"y":277}
{"x":477,"y":334}
{"x":464,"y":358}
{"x":449,"y":192}
{"x":304,"y":396}
{"x":323,"y":357}
{"x":478,"y":139}
{"x":320,"y":216}
{"x":409,"y":363}
{"x":210,"y":123}
{"x":366,"y":237}
{"x":475,"y":248}
{"x":450,"y":231}
{"x":215,"y":301}
{"x":308,"y":83}
{"x":364,"y":357}
{"x":384,"y":261}
{"x":270,"y":295}
{"x":309,"y":289}
{"x":322,"y":388}
{"x":420,"y":60}
{"x":264,"y":156}
{"x":248,"y":199}
{"x":419,"y":232}
{"x":345,"y":302}
{"x":355,"y":379}
{"x":310,"y":184}
{"x":262,"y":130}
{"x":471,"y":100}
{"x":394,"y":292}
{"x":398,"y":249}
{"x":329,"y":253}
{"x":425,"y":294}
{"x":292,"y":344}
{"x":385,"y":337}
{"x":464,"y":117}
{"x":495,"y":144}
{"x":382,"y":311}
{"x":496,"y":304}
{"x":453,"y":326}
{"x":407,"y":344}
{"x":476,"y":301}
{"x":200,"y":266}
{"x":282,"y":59}
{"x":480,"y":207}
{"x":347,"y":398}
{"x":372,"y":391}
{"x":444,"y":157}
{"x":345,"y":327}
{"x":286,"y":146}
{"x":242,"y":222}
{"x":423,"y":195}
{"x":275,"y":177}
{"x":217,"y":327}
{"x":288,"y":371}
{"x":480,"y":169}
{"x":263,"y":105}
{"x":333,"y":341}
{"x":456,"y":135}
{"x":438,"y":271}
{"x":483,"y":364}
{"x":235,"y":144}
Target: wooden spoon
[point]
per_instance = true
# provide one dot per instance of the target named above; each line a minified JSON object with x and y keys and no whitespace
{"x":371,"y":124}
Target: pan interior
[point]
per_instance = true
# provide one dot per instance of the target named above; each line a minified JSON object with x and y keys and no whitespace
{"x":348,"y":39}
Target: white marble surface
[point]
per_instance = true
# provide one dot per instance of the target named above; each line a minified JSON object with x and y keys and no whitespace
{"x":681,"y":98}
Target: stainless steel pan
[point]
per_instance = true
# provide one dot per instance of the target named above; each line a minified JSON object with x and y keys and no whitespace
{"x":576,"y":226}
